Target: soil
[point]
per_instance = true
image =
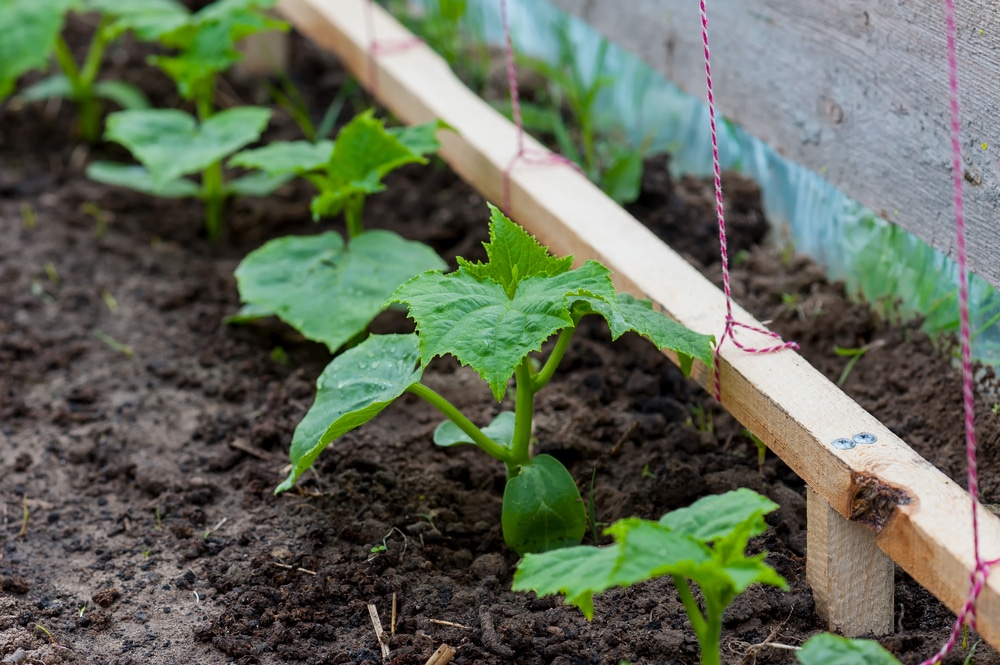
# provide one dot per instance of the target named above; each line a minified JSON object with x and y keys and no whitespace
{"x":139,"y":523}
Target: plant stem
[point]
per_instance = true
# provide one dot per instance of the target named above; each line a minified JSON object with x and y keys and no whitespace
{"x":213,"y":194}
{"x":703,"y":627}
{"x":524,"y":406}
{"x":352,"y":215}
{"x":545,"y":374}
{"x":492,"y":448}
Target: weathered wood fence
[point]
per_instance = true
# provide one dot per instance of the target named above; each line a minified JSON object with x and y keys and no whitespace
{"x":853,"y":89}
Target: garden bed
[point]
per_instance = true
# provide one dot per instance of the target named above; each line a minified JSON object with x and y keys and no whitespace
{"x":128,"y":466}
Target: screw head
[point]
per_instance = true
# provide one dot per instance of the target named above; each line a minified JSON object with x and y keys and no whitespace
{"x":863,"y":438}
{"x":843,"y":444}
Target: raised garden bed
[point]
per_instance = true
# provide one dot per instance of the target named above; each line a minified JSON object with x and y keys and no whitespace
{"x":128,"y":466}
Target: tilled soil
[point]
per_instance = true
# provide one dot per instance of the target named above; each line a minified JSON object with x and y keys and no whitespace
{"x":139,"y":523}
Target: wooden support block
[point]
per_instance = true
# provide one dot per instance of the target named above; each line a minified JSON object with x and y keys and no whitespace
{"x":851,"y":578}
{"x":264,"y":54}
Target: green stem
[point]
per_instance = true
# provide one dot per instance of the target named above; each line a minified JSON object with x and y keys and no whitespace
{"x":66,"y":62}
{"x":711,"y":638}
{"x":545,"y":375}
{"x":213,"y":194}
{"x":204,"y":96}
{"x":352,"y":215}
{"x":491,"y":447}
{"x":524,"y":406}
{"x":698,"y":621}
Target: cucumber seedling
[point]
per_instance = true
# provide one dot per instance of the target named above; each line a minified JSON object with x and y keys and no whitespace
{"x":704,"y":543}
{"x":304,"y":279}
{"x":30,"y":33}
{"x":490,"y":316}
{"x":170,"y":143}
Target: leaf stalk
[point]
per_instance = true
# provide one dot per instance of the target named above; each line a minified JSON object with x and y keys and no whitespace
{"x":435,"y":399}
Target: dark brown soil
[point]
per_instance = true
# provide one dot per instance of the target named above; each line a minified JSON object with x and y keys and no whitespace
{"x":138,"y":521}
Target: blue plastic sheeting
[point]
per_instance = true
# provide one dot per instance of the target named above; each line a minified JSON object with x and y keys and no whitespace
{"x":880,"y":261}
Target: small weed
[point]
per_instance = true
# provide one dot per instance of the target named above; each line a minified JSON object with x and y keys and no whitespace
{"x":29,"y":218}
{"x":646,"y":473}
{"x":761,"y":450}
{"x":109,"y":301}
{"x":101,"y":218}
{"x":42,"y":629}
{"x":83,"y":610}
{"x":701,"y":419}
{"x":855,"y":355}
{"x":114,"y":344}
{"x":51,"y":272}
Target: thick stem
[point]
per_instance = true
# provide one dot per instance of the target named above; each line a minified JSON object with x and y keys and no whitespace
{"x":690,"y":606}
{"x":492,"y":448}
{"x":524,"y":406}
{"x":545,"y":375}
{"x":214,"y":196}
{"x":352,"y":215}
{"x":710,"y":638}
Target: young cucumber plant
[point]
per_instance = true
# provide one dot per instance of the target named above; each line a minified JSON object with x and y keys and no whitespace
{"x":30,"y":34}
{"x":170,"y":143}
{"x":613,"y":165}
{"x":302,"y":279}
{"x":827,"y":649}
{"x":491,"y":317}
{"x":704,"y":543}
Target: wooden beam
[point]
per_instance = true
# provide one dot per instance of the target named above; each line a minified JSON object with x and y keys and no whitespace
{"x":851,"y":578}
{"x":917,"y":512}
{"x":854,"y":90}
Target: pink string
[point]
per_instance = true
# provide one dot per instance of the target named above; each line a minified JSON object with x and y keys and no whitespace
{"x":731,"y":323}
{"x":977,"y":579}
{"x":537,"y":157}
{"x":375,"y":47}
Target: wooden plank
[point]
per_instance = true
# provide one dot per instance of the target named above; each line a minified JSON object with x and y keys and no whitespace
{"x":851,"y":578}
{"x":856,"y":91}
{"x":917,"y":511}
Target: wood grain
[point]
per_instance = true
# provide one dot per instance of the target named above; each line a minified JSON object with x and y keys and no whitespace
{"x":855,"y":90}
{"x":851,"y":578}
{"x":920,"y":515}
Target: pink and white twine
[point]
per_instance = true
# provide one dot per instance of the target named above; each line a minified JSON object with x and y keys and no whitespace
{"x":731,"y":323}
{"x":977,"y":579}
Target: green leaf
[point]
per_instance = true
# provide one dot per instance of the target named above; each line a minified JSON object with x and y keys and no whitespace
{"x":139,"y":179}
{"x":513,"y":255}
{"x":148,"y":19}
{"x":47,"y":88}
{"x":625,"y":313}
{"x":284,"y":157}
{"x":575,"y":572}
{"x":713,"y":517}
{"x":256,"y":184}
{"x":28,"y":33}
{"x":123,"y":94}
{"x":827,"y":649}
{"x":421,"y":139}
{"x":171,"y":143}
{"x":542,"y":508}
{"x":500,"y":430}
{"x":580,"y":572}
{"x":248,"y":314}
{"x":328,"y":292}
{"x":475,"y":320}
{"x":352,"y":390}
{"x":645,"y":549}
{"x":622,"y":180}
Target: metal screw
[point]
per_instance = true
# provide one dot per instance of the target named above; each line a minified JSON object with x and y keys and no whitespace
{"x":864,"y":438}
{"x":842,"y":444}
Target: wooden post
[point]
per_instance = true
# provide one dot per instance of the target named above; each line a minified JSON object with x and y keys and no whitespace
{"x":851,"y":578}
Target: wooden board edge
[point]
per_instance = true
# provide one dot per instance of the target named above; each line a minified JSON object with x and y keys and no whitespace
{"x":793,"y":408}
